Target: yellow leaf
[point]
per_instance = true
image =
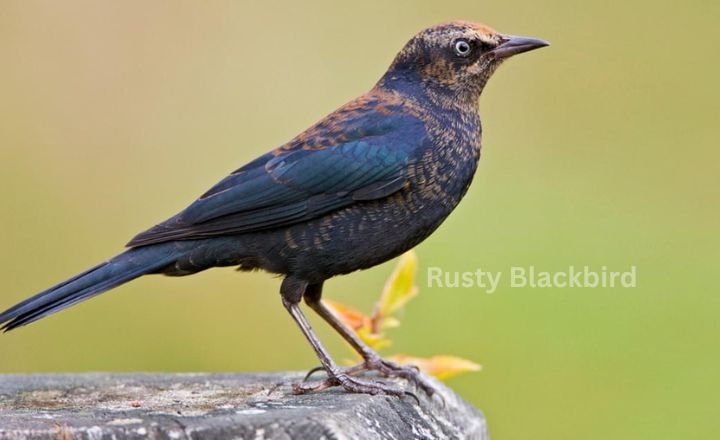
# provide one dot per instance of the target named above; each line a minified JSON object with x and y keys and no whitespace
{"x":442,"y":367}
{"x":350,"y":317}
{"x":390,"y":322}
{"x":360,"y":324}
{"x":376,"y":341}
{"x":399,"y":288}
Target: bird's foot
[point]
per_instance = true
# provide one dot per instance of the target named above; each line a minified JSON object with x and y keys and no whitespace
{"x":388,"y":369}
{"x":351,"y":384}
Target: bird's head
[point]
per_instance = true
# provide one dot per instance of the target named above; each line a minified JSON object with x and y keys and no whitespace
{"x":454,"y":60}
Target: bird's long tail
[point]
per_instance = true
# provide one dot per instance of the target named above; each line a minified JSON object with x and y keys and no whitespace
{"x":119,"y":270}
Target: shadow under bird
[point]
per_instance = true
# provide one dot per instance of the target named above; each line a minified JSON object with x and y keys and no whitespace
{"x":365,"y":184}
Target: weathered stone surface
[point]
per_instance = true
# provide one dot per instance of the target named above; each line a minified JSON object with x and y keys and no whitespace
{"x":219,"y":406}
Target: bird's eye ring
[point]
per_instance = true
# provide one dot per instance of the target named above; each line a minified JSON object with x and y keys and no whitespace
{"x":462,"y":48}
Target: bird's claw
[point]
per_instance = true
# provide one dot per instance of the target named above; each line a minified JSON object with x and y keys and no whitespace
{"x":313,"y":371}
{"x":352,"y":385}
{"x":411,"y":373}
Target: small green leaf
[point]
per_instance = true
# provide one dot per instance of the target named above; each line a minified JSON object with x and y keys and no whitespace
{"x":399,"y":288}
{"x":376,"y":341}
{"x":390,"y":322}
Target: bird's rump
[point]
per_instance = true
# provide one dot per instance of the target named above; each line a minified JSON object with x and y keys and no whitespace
{"x":299,"y":182}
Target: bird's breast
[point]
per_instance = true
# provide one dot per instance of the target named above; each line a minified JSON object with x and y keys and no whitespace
{"x":368,"y":233}
{"x":446,"y":168}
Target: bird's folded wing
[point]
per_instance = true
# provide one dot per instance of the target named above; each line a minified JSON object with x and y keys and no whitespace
{"x":297,"y":184}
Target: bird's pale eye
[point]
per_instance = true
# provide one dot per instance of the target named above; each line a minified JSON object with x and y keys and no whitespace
{"x":462,"y":48}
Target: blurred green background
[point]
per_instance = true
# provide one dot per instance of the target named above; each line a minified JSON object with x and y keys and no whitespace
{"x":599,"y":150}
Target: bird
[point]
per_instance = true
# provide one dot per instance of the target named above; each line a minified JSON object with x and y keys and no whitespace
{"x":365,"y":184}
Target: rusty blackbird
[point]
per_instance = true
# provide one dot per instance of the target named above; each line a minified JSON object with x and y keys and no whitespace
{"x":365,"y":184}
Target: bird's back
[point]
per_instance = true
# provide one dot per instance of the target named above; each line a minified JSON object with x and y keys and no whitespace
{"x":367,"y":182}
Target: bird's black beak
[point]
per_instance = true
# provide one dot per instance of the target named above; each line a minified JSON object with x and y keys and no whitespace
{"x":513,"y":45}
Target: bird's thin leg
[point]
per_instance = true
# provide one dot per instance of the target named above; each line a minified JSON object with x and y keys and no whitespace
{"x":371,"y":359}
{"x":336,"y":375}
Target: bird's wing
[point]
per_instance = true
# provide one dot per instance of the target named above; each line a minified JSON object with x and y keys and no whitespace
{"x":311,"y":176}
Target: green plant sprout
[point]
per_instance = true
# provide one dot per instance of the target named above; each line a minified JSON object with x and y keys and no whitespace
{"x":399,"y":289}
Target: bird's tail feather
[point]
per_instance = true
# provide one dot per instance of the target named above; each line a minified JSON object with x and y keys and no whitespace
{"x":119,"y":270}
